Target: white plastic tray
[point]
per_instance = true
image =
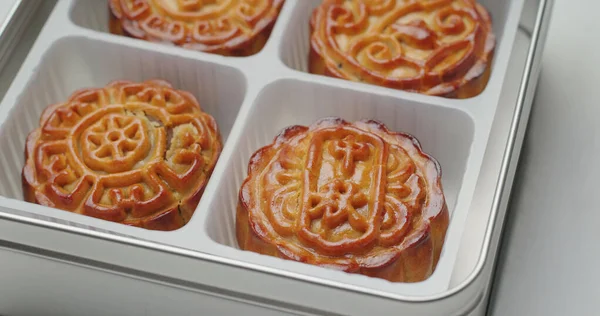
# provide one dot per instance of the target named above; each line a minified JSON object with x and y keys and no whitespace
{"x":75,"y":51}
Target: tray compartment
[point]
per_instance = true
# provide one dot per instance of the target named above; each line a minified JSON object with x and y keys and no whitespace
{"x":295,"y":44}
{"x":73,"y":63}
{"x":445,"y":133}
{"x":91,"y":14}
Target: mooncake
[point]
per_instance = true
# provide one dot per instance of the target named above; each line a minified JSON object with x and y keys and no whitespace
{"x":434,"y":47}
{"x":139,"y":154}
{"x":349,"y":196}
{"x":225,"y":27}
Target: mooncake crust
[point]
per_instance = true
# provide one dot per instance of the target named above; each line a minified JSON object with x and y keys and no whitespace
{"x":224,"y":27}
{"x":139,"y":154}
{"x":433,"y":47}
{"x":348,"y":196}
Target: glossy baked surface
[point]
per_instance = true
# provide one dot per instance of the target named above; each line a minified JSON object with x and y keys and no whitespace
{"x":226,"y":27}
{"x":134,"y":153}
{"x":435,"y":47}
{"x":348,"y":196}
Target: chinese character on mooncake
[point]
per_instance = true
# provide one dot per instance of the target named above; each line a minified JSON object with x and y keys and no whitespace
{"x":349,"y":196}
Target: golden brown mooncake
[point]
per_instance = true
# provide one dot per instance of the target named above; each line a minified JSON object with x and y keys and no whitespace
{"x":134,"y":153}
{"x":349,"y":196}
{"x":225,"y":27}
{"x":434,"y":47}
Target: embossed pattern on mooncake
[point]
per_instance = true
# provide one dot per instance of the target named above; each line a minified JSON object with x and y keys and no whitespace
{"x":134,"y":153}
{"x":350,"y":196}
{"x":225,"y":27}
{"x":435,"y":47}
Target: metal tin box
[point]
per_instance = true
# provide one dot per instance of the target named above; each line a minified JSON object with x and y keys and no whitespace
{"x":72,"y":264}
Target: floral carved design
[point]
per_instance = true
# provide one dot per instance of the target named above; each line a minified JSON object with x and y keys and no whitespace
{"x":134,"y":153}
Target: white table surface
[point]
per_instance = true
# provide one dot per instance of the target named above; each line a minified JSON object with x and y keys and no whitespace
{"x":550,"y":260}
